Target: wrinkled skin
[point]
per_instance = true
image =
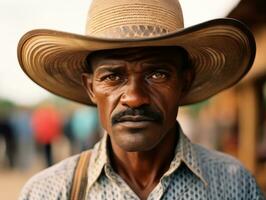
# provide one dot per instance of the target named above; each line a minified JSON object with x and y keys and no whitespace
{"x":151,"y":80}
{"x":137,"y":92}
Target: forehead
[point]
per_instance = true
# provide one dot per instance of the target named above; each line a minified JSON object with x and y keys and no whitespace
{"x":172,"y":54}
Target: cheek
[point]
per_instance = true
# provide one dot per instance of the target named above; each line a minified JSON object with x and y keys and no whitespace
{"x":167,"y":97}
{"x":106,"y":103}
{"x":102,"y":116}
{"x":167,"y":100}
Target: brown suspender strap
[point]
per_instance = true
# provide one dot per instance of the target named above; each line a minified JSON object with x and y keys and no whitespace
{"x":80,"y":178}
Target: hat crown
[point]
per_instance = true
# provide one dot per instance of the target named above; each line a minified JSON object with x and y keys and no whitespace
{"x":133,"y":18}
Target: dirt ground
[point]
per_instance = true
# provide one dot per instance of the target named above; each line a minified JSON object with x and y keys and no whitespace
{"x":11,"y":182}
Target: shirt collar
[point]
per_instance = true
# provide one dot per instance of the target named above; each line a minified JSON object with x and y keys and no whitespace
{"x":99,"y":159}
{"x":184,"y":152}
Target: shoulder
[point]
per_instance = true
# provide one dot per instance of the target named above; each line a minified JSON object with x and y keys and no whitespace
{"x":213,"y":157}
{"x":227,"y":175}
{"x":51,"y":183}
{"x":219,"y":163}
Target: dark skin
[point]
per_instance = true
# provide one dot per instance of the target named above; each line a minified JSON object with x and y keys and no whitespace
{"x":137,"y":92}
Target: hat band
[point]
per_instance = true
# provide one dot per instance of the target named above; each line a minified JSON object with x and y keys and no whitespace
{"x":134,"y":31}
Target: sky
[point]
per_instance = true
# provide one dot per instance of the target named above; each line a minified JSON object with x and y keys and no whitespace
{"x":19,"y":16}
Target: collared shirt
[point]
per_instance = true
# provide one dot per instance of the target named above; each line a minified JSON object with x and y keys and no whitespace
{"x":194,"y":173}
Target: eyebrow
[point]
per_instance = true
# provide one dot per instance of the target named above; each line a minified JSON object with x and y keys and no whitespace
{"x":108,"y":68}
{"x":158,"y":63}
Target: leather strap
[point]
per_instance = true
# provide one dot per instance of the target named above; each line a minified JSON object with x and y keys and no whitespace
{"x":80,"y":178}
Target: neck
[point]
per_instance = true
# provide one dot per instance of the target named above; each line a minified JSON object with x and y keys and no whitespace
{"x":143,"y":170}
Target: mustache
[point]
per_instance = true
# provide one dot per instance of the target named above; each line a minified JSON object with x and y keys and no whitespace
{"x":144,"y":112}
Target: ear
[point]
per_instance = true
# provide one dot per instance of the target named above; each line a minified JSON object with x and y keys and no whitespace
{"x":88,"y":86}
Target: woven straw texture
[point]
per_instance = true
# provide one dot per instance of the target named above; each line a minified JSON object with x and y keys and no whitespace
{"x":133,"y":19}
{"x":222,"y":51}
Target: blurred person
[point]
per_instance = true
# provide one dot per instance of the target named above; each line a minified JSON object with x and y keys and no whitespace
{"x":46,"y":127}
{"x":138,"y":64}
{"x":7,"y":132}
{"x":85,"y":127}
{"x":82,"y":129}
{"x":68,"y":133}
{"x":21,"y":123}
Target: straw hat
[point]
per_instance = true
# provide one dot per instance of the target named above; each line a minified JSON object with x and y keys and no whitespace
{"x":222,"y":50}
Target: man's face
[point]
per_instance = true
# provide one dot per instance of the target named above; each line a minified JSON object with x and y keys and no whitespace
{"x":137,"y":92}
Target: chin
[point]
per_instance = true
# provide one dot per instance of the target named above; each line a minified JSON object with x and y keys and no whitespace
{"x":137,"y":142}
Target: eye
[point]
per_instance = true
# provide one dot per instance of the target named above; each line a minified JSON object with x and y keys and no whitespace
{"x":158,"y":75}
{"x":111,"y":77}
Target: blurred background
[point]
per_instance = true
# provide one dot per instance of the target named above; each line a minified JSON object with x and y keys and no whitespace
{"x":38,"y":129}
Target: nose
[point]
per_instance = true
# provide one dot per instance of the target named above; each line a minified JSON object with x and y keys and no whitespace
{"x":135,"y":94}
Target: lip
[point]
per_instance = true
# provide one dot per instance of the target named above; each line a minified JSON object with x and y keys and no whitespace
{"x":135,"y":124}
{"x":137,"y":118}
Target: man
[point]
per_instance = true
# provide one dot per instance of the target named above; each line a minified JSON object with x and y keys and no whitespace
{"x":138,"y":64}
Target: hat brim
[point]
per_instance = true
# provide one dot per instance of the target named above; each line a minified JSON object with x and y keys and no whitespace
{"x":222,"y":52}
